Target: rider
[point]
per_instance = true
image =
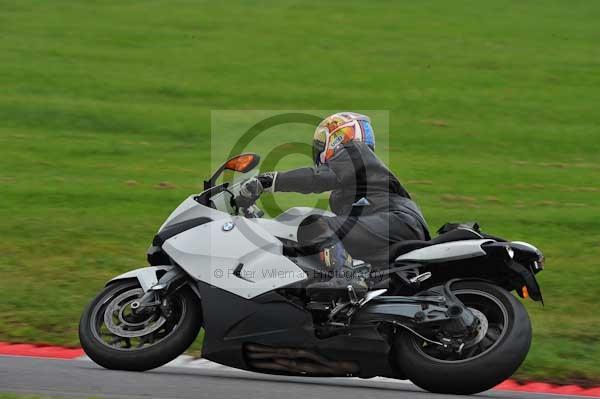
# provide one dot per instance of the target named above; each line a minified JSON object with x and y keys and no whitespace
{"x":372,"y":208}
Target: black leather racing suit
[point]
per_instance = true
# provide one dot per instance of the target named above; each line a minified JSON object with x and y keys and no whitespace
{"x":371,"y":206}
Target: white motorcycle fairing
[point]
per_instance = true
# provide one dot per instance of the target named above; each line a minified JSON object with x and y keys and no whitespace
{"x":190,"y":209}
{"x":146,"y":276}
{"x":446,"y":252}
{"x":234,"y":254}
{"x":286,"y":224}
{"x":211,"y":254}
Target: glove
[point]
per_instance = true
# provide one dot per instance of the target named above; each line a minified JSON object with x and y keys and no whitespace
{"x":253,"y":188}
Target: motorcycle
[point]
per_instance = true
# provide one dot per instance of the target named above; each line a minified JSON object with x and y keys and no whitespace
{"x":440,"y":313}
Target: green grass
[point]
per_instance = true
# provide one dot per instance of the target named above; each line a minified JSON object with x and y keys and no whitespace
{"x":493,"y":117}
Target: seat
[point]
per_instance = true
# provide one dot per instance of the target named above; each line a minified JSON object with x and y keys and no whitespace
{"x":379,"y":260}
{"x":402,"y":247}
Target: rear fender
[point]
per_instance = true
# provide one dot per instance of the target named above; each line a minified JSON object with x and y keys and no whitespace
{"x":529,"y":280}
{"x":146,"y":276}
{"x":522,"y":260}
{"x":506,"y":273}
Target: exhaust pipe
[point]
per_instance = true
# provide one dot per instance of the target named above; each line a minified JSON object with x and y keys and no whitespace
{"x":297,"y":361}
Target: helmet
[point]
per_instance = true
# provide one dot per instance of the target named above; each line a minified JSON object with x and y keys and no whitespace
{"x":339,"y":129}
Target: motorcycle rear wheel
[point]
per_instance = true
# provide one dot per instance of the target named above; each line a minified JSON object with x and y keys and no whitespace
{"x":115,"y":337}
{"x":501,"y":348}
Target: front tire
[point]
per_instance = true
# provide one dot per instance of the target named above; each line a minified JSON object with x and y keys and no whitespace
{"x":488,"y":366}
{"x":116,"y":338}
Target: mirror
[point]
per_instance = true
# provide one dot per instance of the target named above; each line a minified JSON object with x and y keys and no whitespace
{"x":242,"y":163}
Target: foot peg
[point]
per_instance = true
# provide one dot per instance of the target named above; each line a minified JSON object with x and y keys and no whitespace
{"x":352,"y":295}
{"x":420,"y":278}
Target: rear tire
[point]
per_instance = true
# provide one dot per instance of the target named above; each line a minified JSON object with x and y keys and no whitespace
{"x":470,"y":375}
{"x":148,"y":356}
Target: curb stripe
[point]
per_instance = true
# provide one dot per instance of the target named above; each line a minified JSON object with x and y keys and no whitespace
{"x":58,"y":352}
{"x":47,"y":351}
{"x":540,"y":387}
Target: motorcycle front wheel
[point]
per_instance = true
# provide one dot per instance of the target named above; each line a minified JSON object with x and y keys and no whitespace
{"x":116,"y":337}
{"x":492,"y":356}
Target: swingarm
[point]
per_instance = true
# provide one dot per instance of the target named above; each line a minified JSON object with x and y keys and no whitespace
{"x":423,"y":315}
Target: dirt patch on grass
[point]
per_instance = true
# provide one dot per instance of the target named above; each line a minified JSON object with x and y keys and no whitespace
{"x":587,"y":165}
{"x":491,"y":198}
{"x":522,"y":186}
{"x":458,"y":198}
{"x":165,"y":185}
{"x":436,"y":122}
{"x":518,"y":162}
{"x":548,"y":203}
{"x":539,"y":186}
{"x":561,"y":204}
{"x":558,"y":165}
{"x":582,"y":189}
{"x":7,"y":180}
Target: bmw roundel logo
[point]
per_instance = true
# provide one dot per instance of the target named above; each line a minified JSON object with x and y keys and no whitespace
{"x":228,"y":226}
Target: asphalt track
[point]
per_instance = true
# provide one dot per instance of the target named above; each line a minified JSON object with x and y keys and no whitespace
{"x":84,"y":379}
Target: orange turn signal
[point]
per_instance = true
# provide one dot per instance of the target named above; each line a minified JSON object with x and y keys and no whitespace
{"x":241,"y":163}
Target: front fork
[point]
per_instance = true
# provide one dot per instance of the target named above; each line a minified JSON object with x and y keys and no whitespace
{"x":157,"y":294}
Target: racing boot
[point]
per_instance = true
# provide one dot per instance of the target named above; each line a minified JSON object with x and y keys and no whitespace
{"x":336,"y":259}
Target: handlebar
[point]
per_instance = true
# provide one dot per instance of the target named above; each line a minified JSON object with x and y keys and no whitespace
{"x":253,"y":212}
{"x":205,"y":198}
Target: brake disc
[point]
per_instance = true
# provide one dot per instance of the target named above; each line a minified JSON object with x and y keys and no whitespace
{"x":127,"y":328}
{"x":482,"y":329}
